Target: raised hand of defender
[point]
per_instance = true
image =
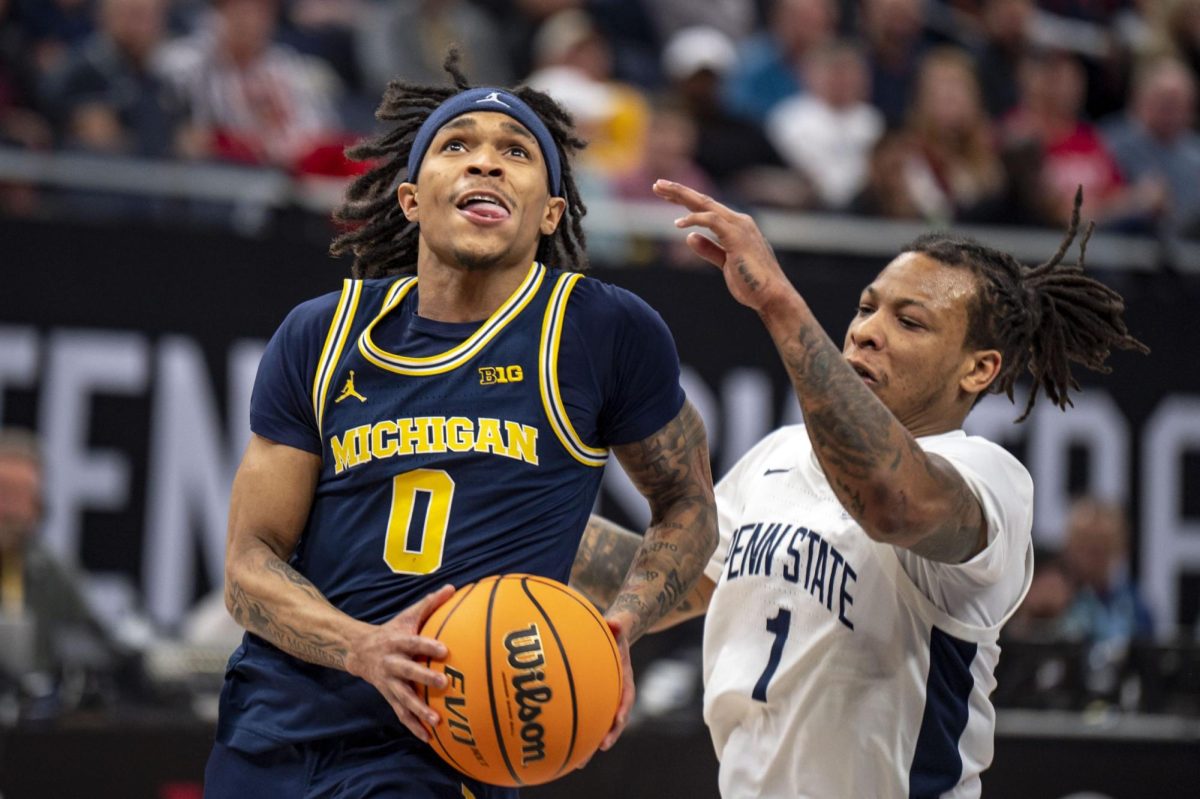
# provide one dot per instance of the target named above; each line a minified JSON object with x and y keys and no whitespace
{"x":738,"y":248}
{"x":387,"y":657}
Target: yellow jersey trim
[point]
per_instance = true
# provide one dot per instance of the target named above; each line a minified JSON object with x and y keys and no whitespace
{"x":461,"y":353}
{"x":335,"y":340}
{"x":556,"y":412}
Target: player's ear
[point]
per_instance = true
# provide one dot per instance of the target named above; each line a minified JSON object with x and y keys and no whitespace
{"x":555,"y":207}
{"x":406,"y":194}
{"x":980,"y":369}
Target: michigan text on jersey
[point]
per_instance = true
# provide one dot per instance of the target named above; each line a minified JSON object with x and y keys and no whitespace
{"x":422,"y":435}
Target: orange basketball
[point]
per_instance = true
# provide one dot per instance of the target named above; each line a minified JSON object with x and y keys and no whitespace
{"x":534,"y":680}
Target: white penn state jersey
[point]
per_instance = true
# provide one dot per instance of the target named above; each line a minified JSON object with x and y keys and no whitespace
{"x":836,"y":667}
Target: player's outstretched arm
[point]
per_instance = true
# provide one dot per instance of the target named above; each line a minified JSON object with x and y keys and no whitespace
{"x":272,"y":494}
{"x":605,"y":554}
{"x":898,"y":493}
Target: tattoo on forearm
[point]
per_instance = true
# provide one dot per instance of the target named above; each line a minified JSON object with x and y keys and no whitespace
{"x":605,"y":554}
{"x":851,"y":430}
{"x":671,"y":469}
{"x":258,"y":619}
{"x":294,"y":577}
{"x":864,"y":450}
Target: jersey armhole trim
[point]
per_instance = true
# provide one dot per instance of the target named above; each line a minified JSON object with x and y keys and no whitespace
{"x":556,"y":412}
{"x":335,"y":340}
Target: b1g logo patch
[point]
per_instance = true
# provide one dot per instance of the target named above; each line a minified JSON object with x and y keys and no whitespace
{"x":499,"y":375}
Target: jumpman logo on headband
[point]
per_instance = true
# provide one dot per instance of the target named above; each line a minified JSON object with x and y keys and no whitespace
{"x":493,"y":97}
{"x":349,"y":391}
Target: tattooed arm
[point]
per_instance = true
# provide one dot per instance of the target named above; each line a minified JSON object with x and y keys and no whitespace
{"x":272,"y":494}
{"x":897,"y":492}
{"x":604,"y":557}
{"x":671,"y":469}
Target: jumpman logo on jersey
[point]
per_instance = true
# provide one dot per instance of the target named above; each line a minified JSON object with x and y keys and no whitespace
{"x":493,"y":97}
{"x":349,"y":391}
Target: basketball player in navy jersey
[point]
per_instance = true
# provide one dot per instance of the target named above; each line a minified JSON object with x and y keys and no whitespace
{"x":444,"y":417}
{"x":869,"y":557}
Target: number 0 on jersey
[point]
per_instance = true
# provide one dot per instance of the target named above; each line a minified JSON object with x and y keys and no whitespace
{"x":416,"y":533}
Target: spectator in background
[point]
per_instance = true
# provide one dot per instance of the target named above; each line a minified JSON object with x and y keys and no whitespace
{"x":1006,"y":25}
{"x":411,"y":40}
{"x":1178,"y":28}
{"x":893,"y":32}
{"x":1087,"y":594}
{"x":899,"y":183}
{"x":827,"y":133}
{"x":20,"y":124}
{"x":260,"y":102}
{"x":1048,"y":117}
{"x":954,"y":136}
{"x":325,"y":29}
{"x":669,"y":153}
{"x":733,"y":18}
{"x":769,"y":67}
{"x":109,"y":98}
{"x":54,"y":28}
{"x":1106,"y":605}
{"x":735,"y":152}
{"x":1154,"y":141}
{"x":44,"y":621}
{"x":574,"y":66}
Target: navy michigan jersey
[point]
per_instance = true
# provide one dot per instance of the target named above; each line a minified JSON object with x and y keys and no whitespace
{"x":449,"y":452}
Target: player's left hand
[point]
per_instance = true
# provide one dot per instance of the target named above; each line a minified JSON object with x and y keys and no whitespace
{"x":739,"y":250}
{"x":627,"y":689}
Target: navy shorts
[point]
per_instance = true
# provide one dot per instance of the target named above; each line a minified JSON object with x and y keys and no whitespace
{"x":375,"y":765}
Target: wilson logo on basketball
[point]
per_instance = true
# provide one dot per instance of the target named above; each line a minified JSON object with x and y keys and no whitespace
{"x":530,"y":690}
{"x":533,"y":679}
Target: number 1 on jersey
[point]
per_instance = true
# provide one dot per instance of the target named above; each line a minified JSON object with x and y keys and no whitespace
{"x":416,"y":532}
{"x":778,"y":624}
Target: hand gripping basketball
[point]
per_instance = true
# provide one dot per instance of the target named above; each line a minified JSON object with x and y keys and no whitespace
{"x":533,"y":679}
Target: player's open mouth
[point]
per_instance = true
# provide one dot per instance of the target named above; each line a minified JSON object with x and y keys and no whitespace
{"x":483,"y":207}
{"x":866,"y":374}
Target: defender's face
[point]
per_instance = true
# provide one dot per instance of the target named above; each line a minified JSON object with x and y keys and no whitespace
{"x":907,"y":340}
{"x":482,"y":196}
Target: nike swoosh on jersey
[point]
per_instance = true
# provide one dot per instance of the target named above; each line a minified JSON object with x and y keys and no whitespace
{"x":775,"y":471}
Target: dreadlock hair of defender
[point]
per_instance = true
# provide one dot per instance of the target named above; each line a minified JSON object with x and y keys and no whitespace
{"x":381,"y":239}
{"x":1040,"y":319}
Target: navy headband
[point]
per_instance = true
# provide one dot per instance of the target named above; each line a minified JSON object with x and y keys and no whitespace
{"x":487,"y":99}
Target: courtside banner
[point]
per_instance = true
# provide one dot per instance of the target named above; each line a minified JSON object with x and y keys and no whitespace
{"x":132,"y":351}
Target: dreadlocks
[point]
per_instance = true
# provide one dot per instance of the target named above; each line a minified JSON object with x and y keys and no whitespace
{"x":1041,"y":319}
{"x":381,"y":239}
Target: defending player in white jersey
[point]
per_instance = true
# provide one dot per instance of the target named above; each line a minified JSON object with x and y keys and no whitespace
{"x":869,"y":557}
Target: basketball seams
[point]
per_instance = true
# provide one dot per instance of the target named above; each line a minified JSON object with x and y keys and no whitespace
{"x":489,"y":614}
{"x":592,"y":613}
{"x":441,"y":627}
{"x":487,"y":639}
{"x":566,"y":665}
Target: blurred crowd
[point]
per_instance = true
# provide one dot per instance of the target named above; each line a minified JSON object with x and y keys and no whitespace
{"x":988,"y":111}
